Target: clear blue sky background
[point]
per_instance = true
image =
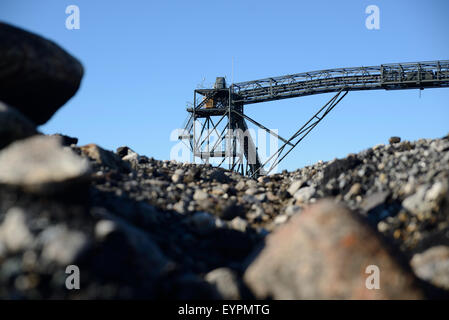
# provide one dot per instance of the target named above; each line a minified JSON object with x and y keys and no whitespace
{"x":144,"y":58}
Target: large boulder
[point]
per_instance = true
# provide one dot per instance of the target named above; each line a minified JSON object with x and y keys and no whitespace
{"x":326,"y":252}
{"x":36,"y":75}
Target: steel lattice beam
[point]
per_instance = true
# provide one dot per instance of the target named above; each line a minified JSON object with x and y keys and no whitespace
{"x":416,"y":75}
{"x":228,"y":103}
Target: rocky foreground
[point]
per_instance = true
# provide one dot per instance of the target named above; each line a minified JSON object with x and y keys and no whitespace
{"x":137,"y":227}
{"x":141,"y":228}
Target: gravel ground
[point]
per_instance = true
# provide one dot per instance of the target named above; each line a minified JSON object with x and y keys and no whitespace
{"x":139,"y":227}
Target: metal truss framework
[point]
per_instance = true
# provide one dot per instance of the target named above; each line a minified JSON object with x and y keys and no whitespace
{"x":234,"y":144}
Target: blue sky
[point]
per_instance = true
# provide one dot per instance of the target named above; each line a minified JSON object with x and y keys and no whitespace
{"x":144,"y":58}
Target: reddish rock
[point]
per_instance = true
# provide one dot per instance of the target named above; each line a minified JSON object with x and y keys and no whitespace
{"x":323,"y":253}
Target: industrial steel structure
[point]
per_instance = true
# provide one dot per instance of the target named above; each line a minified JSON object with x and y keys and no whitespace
{"x":232,"y":141}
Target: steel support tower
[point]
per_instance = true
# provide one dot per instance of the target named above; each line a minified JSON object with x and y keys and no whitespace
{"x":230,"y":139}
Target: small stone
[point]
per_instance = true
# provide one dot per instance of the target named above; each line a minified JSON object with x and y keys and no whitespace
{"x":251,"y":183}
{"x":231,"y":210}
{"x":239,"y":224}
{"x":408,"y":188}
{"x":416,"y":203}
{"x":251,"y":191}
{"x":402,"y":216}
{"x":393,"y":140}
{"x":263,"y":179}
{"x":433,"y":265}
{"x":437,"y":192}
{"x":383,"y":178}
{"x":203,"y":222}
{"x":295,"y":186}
{"x":179,"y":172}
{"x":281,"y":219}
{"x":271,"y":196}
{"x":14,"y":231}
{"x":292,"y":210}
{"x":219,"y":176}
{"x":105,"y":157}
{"x":240,"y":185}
{"x":200,"y":195}
{"x":262,"y":197}
{"x":122,"y":151}
{"x":374,"y":200}
{"x":176,"y":178}
{"x":66,"y":140}
{"x":181,"y":207}
{"x":356,"y":188}
{"x":103,"y":228}
{"x":249,"y":199}
{"x":226,"y":283}
{"x":132,"y":158}
{"x":61,"y":245}
{"x":382,"y":226}
{"x":338,"y":166}
{"x":217,"y":191}
{"x":304,"y":194}
{"x":40,"y":164}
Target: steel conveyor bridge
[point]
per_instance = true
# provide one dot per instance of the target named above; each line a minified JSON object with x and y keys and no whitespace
{"x":233,"y":143}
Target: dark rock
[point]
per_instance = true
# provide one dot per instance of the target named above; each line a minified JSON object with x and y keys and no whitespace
{"x":190,"y":287}
{"x":338,"y":166}
{"x":122,"y":151}
{"x":231,"y":210}
{"x":66,"y":140}
{"x":393,"y":140}
{"x":202,"y":222}
{"x":36,"y":76}
{"x":231,"y":243}
{"x":122,"y":248}
{"x":219,"y":176}
{"x":14,"y":126}
{"x":377,"y":206}
{"x":105,"y":157}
